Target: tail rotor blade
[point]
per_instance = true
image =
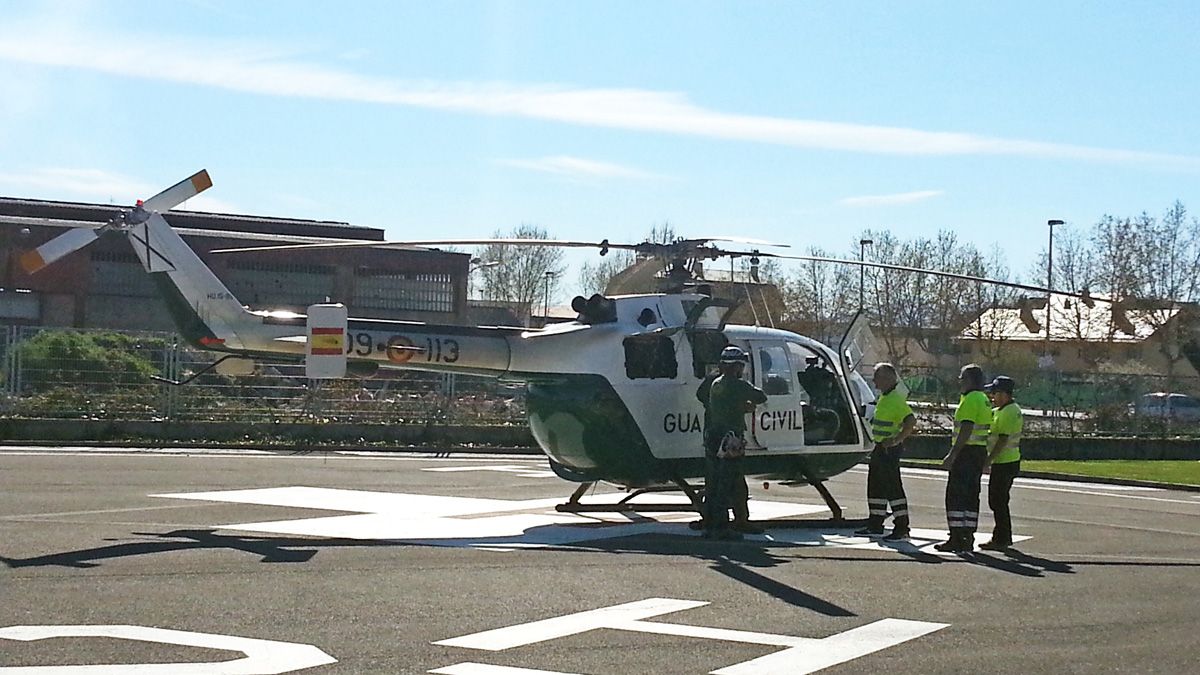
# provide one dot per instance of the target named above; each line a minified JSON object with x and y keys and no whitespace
{"x":62,"y":245}
{"x":179,"y":193}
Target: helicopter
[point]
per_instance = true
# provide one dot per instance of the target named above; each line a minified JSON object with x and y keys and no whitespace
{"x":610,"y":395}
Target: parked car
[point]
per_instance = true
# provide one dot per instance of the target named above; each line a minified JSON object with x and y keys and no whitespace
{"x":1168,"y":406}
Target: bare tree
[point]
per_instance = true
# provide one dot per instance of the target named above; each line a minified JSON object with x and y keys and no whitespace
{"x":526,"y":275}
{"x":1163,"y":279}
{"x":911,"y":308}
{"x":594,"y":277}
{"x":818,"y":298}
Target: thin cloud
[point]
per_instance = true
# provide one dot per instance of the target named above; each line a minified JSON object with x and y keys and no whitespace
{"x":575,"y":167}
{"x":94,"y":185}
{"x":891,"y":200}
{"x":267,"y":71}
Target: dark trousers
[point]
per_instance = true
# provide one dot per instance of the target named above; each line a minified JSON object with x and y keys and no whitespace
{"x":884,"y":488}
{"x":999,"y":491}
{"x":724,"y":488}
{"x":962,"y":491}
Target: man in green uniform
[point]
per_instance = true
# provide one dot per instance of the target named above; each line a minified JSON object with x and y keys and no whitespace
{"x":972,"y":423}
{"x":1004,"y":458}
{"x":729,"y":398}
{"x":740,"y":496}
{"x":892,"y":422}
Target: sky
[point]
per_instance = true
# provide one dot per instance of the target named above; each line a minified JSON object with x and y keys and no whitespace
{"x":803,"y":123}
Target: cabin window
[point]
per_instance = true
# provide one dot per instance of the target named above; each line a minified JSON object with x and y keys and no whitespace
{"x":776,"y":375}
{"x":650,"y":358}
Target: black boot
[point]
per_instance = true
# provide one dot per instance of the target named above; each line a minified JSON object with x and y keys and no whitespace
{"x":899,"y":530}
{"x":874,"y":527}
{"x":960,"y":541}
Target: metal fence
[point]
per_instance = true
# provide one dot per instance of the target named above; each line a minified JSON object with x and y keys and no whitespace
{"x":1070,"y":403}
{"x":104,"y":374}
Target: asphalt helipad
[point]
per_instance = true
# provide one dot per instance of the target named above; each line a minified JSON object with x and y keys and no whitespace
{"x":246,"y":562}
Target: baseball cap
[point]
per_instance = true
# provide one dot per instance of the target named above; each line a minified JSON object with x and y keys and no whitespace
{"x":1002,"y":384}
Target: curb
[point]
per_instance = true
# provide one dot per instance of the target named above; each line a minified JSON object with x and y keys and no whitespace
{"x":1077,"y":478}
{"x":295,"y":448}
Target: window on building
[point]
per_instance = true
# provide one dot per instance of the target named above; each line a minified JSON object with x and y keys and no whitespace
{"x":120,"y":273}
{"x":416,"y":292}
{"x":261,"y":284}
{"x":20,"y":304}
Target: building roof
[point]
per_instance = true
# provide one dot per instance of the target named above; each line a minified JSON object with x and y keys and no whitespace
{"x":1070,"y":320}
{"x":51,"y":213}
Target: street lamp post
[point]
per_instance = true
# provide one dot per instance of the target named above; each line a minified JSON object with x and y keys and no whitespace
{"x":862,"y":270}
{"x":546,"y":303}
{"x":1050,"y":279}
{"x":475,"y":265}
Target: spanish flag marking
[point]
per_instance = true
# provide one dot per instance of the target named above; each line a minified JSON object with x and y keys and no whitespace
{"x":327,"y":341}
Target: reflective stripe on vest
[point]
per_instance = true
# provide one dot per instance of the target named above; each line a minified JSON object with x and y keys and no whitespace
{"x":979,"y":433}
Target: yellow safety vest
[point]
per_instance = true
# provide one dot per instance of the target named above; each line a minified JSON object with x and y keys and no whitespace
{"x":890,"y":412}
{"x":974,"y":407}
{"x":1008,"y":420}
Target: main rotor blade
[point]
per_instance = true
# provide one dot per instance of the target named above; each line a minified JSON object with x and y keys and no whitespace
{"x":558,"y":243}
{"x":431,"y":242}
{"x":742,"y":240}
{"x":179,"y":192}
{"x":62,"y":245}
{"x":938,"y":273}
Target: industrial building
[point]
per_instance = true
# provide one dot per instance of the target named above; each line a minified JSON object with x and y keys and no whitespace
{"x":104,"y":286}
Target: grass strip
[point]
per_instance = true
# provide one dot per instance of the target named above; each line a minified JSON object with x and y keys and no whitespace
{"x":1179,"y":472}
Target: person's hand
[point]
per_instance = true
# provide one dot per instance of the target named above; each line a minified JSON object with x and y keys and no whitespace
{"x":987,"y":467}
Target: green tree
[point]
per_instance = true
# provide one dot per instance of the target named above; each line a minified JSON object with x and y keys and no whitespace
{"x":56,"y":358}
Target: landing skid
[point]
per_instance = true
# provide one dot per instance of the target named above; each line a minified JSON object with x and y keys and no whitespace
{"x":626,"y":505}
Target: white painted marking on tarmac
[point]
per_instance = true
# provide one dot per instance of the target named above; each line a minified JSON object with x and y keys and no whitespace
{"x":1101,"y":490}
{"x":469,"y":668}
{"x":522,"y":471}
{"x":1030,"y":482}
{"x":493,"y":524}
{"x":94,"y":512}
{"x":800,"y":654}
{"x":813,"y":655}
{"x":617,"y":616}
{"x":262,"y":657}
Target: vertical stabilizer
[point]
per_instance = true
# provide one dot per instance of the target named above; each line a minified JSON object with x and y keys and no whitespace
{"x":205,"y":310}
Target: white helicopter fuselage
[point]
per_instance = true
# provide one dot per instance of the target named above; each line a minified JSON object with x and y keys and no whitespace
{"x":611,"y":395}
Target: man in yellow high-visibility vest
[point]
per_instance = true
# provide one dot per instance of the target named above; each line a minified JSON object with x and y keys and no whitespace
{"x":1004,"y":458}
{"x":892,"y":422}
{"x":972,"y":423}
